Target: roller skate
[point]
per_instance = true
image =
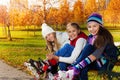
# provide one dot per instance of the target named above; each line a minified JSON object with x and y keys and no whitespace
{"x":32,"y":70}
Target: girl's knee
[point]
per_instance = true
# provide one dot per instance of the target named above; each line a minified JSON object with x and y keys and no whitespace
{"x":68,"y":45}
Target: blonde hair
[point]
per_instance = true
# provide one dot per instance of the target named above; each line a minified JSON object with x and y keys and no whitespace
{"x":53,"y":46}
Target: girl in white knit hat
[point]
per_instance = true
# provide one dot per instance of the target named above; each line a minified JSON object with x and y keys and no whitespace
{"x":54,"y":39}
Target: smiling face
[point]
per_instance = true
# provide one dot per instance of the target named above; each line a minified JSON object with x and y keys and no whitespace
{"x":50,"y":37}
{"x":93,"y":27}
{"x":72,"y":32}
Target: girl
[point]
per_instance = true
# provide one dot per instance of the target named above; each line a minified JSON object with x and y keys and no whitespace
{"x":54,"y":39}
{"x":68,"y":54}
{"x":100,"y":44}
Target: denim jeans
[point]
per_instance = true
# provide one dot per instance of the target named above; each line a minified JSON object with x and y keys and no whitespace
{"x":88,"y":49}
{"x":65,"y":51}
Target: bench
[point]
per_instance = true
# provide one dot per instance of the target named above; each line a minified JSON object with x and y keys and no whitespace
{"x":109,"y":75}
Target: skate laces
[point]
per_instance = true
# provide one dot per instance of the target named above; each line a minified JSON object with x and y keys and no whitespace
{"x":37,"y":65}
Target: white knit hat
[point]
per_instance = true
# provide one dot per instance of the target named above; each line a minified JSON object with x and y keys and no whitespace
{"x":46,"y":30}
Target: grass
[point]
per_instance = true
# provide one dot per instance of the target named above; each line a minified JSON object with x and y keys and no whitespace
{"x":23,"y":47}
{"x":26,"y":45}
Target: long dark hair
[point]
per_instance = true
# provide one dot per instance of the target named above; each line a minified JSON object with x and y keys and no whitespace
{"x":103,"y":37}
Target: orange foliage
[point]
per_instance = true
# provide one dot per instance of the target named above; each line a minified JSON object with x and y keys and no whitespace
{"x":111,"y":15}
{"x":3,"y":14}
{"x":78,"y":12}
{"x":52,"y":16}
{"x":63,"y":13}
{"x":37,"y":17}
{"x":27,"y":20}
{"x":114,"y":5}
{"x":89,"y":8}
{"x":101,"y":5}
{"x":16,"y":17}
{"x":61,"y":16}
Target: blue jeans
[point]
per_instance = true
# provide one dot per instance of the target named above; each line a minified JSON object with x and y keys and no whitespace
{"x":88,"y":49}
{"x":65,"y":51}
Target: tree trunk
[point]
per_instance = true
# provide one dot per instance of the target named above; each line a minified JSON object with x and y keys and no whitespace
{"x":9,"y":33}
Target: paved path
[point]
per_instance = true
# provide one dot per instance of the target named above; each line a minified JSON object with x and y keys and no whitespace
{"x":9,"y":73}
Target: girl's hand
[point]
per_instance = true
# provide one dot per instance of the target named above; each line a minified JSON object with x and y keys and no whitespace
{"x":52,"y":56}
{"x":49,"y":56}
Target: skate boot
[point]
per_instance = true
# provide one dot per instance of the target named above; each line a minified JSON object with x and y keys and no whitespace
{"x":32,"y":70}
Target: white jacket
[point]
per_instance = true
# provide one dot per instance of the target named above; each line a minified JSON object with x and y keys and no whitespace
{"x":62,"y":38}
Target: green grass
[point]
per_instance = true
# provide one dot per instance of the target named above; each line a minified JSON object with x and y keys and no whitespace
{"x":26,"y":45}
{"x":23,"y":47}
{"x":115,"y":34}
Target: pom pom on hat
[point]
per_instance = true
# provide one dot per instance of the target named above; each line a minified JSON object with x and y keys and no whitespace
{"x":46,"y":30}
{"x":95,"y":17}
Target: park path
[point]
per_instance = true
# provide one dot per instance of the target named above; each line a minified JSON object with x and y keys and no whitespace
{"x":9,"y":73}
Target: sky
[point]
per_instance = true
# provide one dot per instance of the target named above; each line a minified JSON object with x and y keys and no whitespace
{"x":53,"y":3}
{"x":30,"y":2}
{"x":4,"y":2}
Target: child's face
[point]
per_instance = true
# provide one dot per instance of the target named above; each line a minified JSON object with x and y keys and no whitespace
{"x":50,"y":37}
{"x":93,"y":27}
{"x":72,"y":32}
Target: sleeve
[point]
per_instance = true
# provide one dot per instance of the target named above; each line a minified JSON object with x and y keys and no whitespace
{"x":97,"y":53}
{"x":81,"y":42}
{"x":62,"y":38}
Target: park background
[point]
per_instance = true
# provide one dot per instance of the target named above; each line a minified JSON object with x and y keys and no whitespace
{"x":20,"y":24}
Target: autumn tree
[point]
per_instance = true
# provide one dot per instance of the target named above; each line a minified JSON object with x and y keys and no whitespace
{"x":101,"y":5}
{"x":4,"y":19}
{"x":27,"y":20}
{"x":78,"y":12}
{"x":3,"y":14}
{"x":63,"y":13}
{"x":89,"y":7}
{"x":16,"y":17}
{"x":37,"y":17}
{"x":112,"y":13}
{"x":114,"y":5}
{"x":52,"y":16}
